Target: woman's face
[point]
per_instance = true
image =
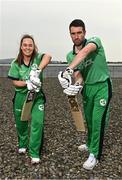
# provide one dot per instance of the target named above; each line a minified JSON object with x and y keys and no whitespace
{"x":27,"y":47}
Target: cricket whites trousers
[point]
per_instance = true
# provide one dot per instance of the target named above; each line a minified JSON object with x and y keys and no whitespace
{"x":96,"y":99}
{"x":30,"y":137}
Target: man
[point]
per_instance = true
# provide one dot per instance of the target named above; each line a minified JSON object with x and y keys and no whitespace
{"x":26,"y":75}
{"x":88,"y":59}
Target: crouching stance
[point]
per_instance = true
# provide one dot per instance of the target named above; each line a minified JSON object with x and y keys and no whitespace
{"x":88,"y":59}
{"x":26,"y":74}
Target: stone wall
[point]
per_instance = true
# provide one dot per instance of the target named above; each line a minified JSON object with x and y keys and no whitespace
{"x":53,"y":69}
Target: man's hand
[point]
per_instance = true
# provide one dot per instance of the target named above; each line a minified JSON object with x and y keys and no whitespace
{"x":72,"y":90}
{"x":65,"y":78}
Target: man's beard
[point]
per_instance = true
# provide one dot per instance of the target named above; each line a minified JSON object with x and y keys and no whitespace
{"x":78,"y":44}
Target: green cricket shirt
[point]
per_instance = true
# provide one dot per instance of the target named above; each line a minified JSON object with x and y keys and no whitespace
{"x":94,"y":67}
{"x":22,"y":72}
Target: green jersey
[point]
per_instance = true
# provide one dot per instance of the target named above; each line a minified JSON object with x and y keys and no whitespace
{"x":94,"y":67}
{"x":22,"y":72}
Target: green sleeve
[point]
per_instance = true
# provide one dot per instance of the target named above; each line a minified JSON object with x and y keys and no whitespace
{"x":14,"y":70}
{"x":68,"y":60}
{"x":39,"y":58}
{"x":96,"y":41}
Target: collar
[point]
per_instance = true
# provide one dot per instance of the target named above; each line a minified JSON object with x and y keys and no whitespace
{"x":25,"y":64}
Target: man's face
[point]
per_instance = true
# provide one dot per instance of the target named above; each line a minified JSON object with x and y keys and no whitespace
{"x":78,"y":35}
{"x":27,"y":47}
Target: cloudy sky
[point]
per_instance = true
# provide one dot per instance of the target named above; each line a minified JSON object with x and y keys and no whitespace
{"x":48,"y":21}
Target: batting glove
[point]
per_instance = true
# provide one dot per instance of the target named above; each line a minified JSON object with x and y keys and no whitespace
{"x":65,"y":78}
{"x":73,"y":90}
{"x":32,"y":87}
{"x":35,"y":81}
{"x":35,"y":73}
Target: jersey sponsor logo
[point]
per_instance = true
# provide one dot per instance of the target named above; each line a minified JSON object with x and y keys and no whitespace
{"x":102,"y":102}
{"x":24,"y":74}
{"x":41,"y":107}
{"x":88,"y":62}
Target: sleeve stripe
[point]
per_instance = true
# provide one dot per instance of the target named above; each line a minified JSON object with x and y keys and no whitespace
{"x":76,"y":69}
{"x":13,"y":78}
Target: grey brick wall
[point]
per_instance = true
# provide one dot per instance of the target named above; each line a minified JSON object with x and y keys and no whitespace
{"x":53,"y":69}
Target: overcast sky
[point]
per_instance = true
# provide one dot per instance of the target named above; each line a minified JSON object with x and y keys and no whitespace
{"x":48,"y":21}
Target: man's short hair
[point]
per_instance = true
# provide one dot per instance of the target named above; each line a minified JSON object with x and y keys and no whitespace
{"x":77,"y":23}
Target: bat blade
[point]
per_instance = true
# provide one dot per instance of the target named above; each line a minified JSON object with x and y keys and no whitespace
{"x":76,"y":113}
{"x":26,"y":110}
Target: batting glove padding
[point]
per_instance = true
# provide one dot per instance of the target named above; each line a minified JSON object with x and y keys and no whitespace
{"x":69,"y":71}
{"x":36,"y":81}
{"x":72,"y":90}
{"x":32,"y":87}
{"x":63,"y":81}
{"x":35,"y":73}
{"x":65,"y":78}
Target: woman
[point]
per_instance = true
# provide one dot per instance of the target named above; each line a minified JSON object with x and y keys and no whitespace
{"x":24,"y":78}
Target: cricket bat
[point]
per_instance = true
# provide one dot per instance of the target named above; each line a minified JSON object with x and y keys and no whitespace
{"x":26,"y":110}
{"x":76,"y":113}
